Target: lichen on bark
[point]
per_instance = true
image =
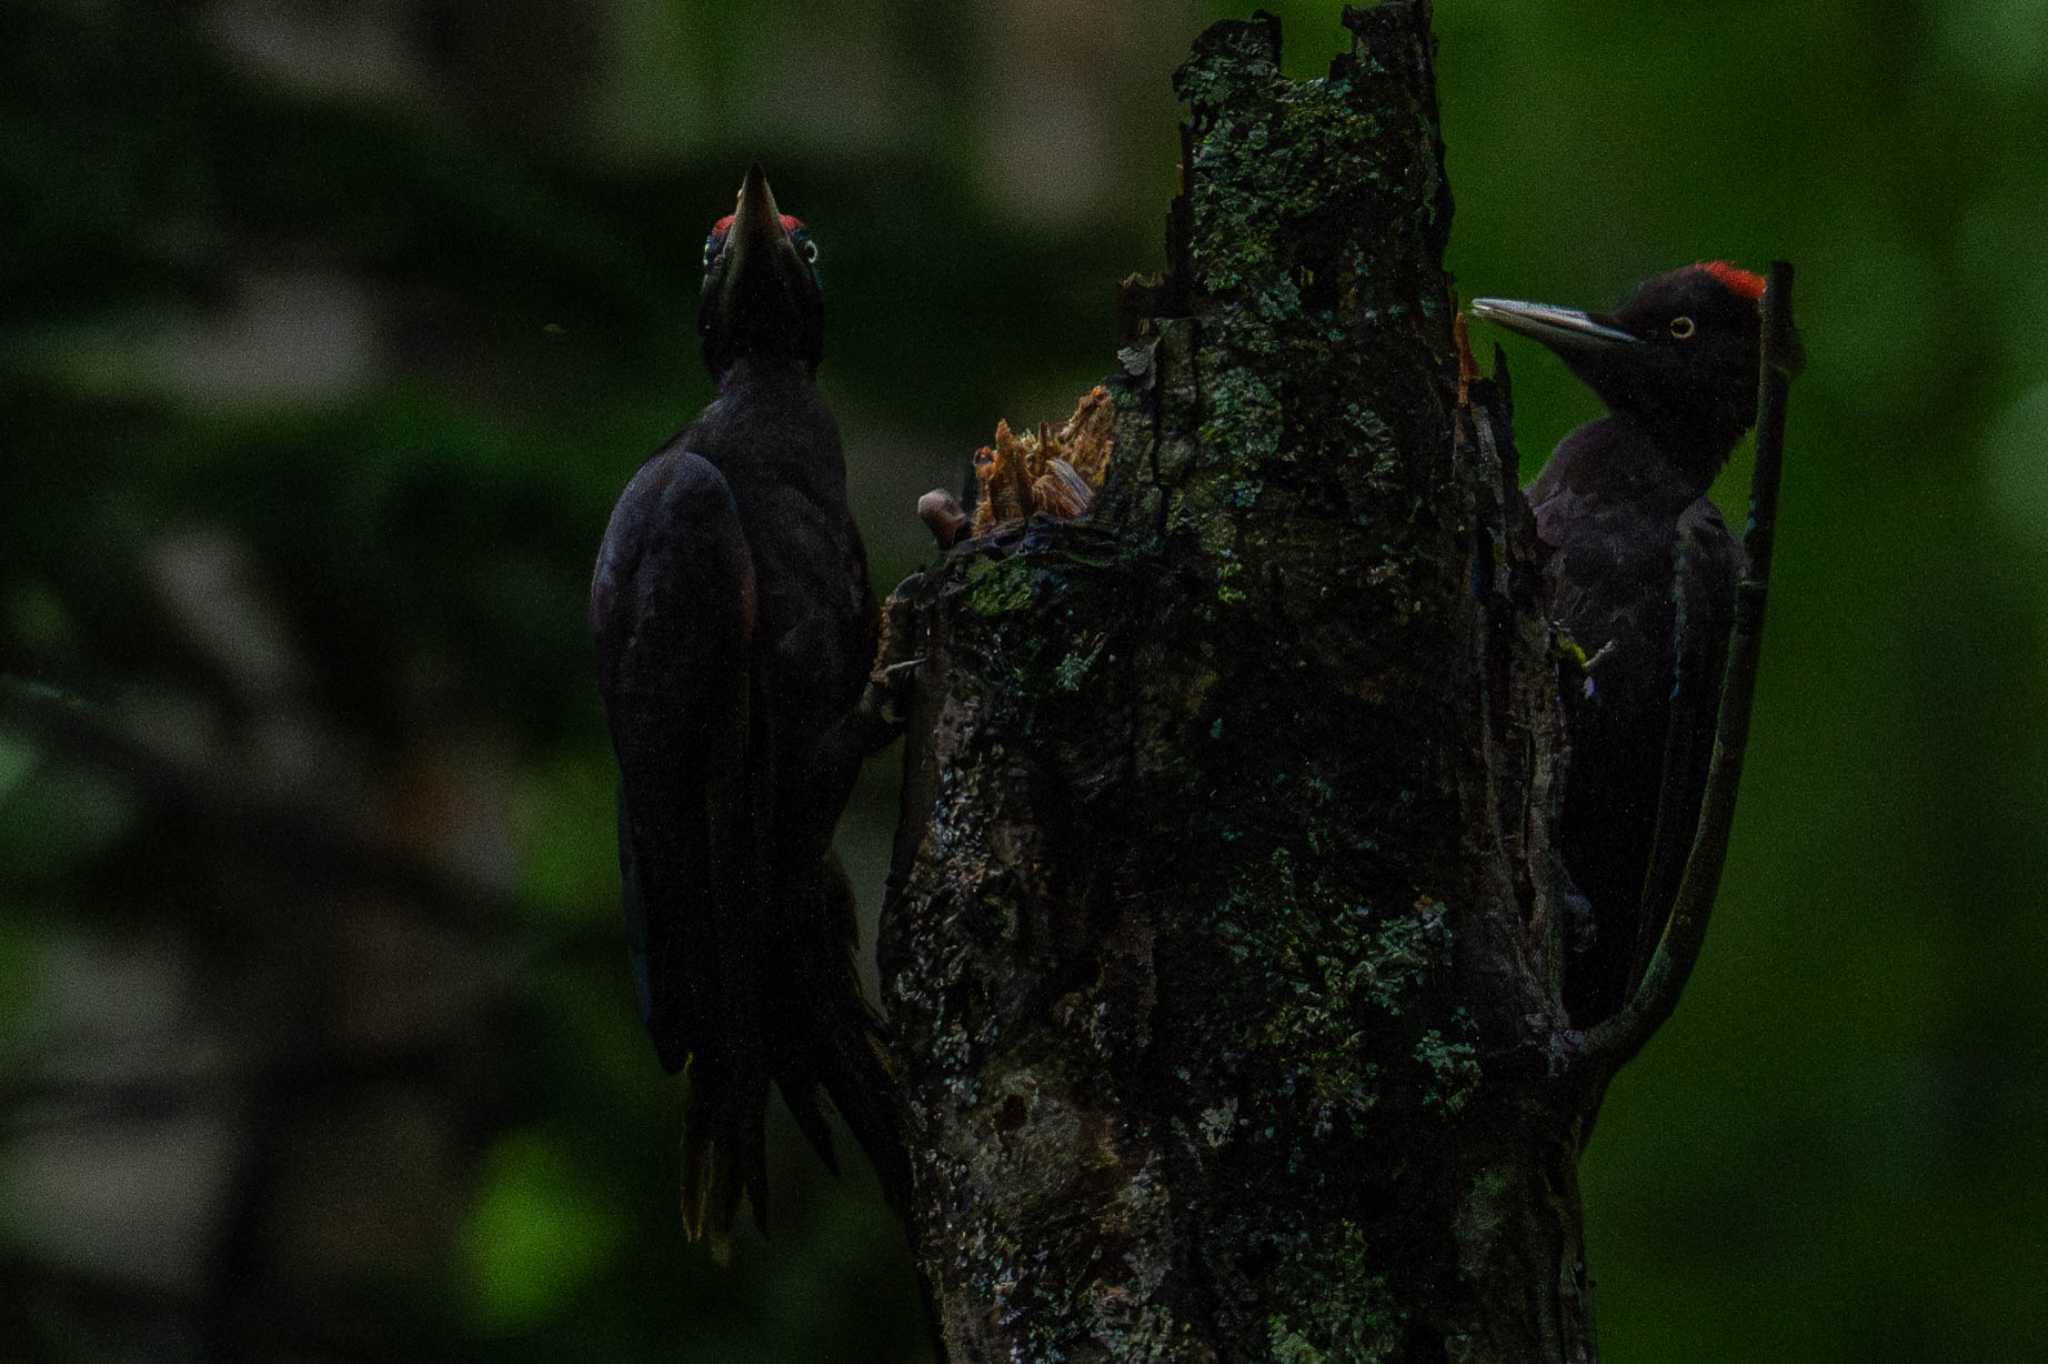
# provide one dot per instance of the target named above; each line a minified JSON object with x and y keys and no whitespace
{"x":1218,"y":946}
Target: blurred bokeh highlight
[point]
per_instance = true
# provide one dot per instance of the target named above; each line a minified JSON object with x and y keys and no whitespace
{"x":328,"y":333}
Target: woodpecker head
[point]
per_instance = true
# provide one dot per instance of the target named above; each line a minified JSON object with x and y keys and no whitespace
{"x":1679,"y":354}
{"x":762,"y":299}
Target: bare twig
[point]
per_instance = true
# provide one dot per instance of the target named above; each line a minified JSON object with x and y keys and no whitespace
{"x":1614,"y":1042}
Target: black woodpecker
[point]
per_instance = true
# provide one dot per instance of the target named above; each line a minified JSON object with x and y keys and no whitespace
{"x":1642,"y":572}
{"x":734,"y":629}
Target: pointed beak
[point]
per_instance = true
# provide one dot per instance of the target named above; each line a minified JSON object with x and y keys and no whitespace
{"x":760,"y":296}
{"x":1558,"y":328}
{"x":758,"y":244}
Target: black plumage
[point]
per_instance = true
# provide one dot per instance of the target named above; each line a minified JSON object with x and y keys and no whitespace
{"x":1642,"y":572}
{"x":735,"y":628}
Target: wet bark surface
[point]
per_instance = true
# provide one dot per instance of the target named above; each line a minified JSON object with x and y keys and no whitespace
{"x":1221,"y":947}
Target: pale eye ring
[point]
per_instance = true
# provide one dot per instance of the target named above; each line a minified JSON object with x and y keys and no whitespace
{"x":710,"y":250}
{"x":810,"y":251}
{"x":1683,"y":328}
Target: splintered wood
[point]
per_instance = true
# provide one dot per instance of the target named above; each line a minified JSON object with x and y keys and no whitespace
{"x":1054,"y":470}
{"x":1468,"y":368}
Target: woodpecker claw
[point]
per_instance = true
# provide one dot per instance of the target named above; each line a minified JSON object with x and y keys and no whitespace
{"x":884,"y":701}
{"x":1564,"y":647}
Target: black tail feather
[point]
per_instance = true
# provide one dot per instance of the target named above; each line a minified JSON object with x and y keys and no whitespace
{"x":818,"y":1033}
{"x":724,"y":1155}
{"x":846,"y":1046}
{"x":862,"y":1085}
{"x":802,"y":1098}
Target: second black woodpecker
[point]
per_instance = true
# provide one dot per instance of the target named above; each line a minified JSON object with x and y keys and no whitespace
{"x":1642,"y":572}
{"x":735,"y":628}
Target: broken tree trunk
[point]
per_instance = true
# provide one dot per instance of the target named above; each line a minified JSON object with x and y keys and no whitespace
{"x":1222,"y":943}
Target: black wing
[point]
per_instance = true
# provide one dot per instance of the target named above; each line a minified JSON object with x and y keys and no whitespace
{"x":672,"y":610}
{"x":1708,"y":564}
{"x":813,"y":651}
{"x":1610,"y":581}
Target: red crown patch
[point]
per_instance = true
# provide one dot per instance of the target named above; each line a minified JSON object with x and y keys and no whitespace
{"x":724,"y":225}
{"x":1735,"y":278}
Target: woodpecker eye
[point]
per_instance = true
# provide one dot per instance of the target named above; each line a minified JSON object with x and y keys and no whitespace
{"x":710,"y":249}
{"x":1683,"y":328}
{"x":810,"y":249}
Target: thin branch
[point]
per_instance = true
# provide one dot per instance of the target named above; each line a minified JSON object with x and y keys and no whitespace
{"x":1613,"y":1043}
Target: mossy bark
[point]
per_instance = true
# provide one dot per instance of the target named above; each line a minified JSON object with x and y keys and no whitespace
{"x":1219,"y":949}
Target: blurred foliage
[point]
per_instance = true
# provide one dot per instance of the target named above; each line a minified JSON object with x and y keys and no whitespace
{"x":329,"y":332}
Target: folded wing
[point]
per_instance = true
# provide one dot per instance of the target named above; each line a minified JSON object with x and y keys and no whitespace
{"x":672,"y":612}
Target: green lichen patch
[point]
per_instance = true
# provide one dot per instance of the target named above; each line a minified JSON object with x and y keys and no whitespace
{"x":997,"y":587}
{"x":1406,"y":949}
{"x":1072,"y":670}
{"x":1453,"y":1066}
{"x":1336,"y":984}
{"x":1361,"y":1322}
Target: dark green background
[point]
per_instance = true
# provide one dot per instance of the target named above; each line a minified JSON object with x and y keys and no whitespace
{"x":327,"y":335}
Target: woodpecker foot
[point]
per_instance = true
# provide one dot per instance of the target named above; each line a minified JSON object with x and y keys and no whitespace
{"x":888,"y":692}
{"x":884,"y":703}
{"x":1564,"y":647}
{"x":1567,"y":1045}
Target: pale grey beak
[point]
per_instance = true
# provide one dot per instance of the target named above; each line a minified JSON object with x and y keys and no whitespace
{"x":1560,"y":327}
